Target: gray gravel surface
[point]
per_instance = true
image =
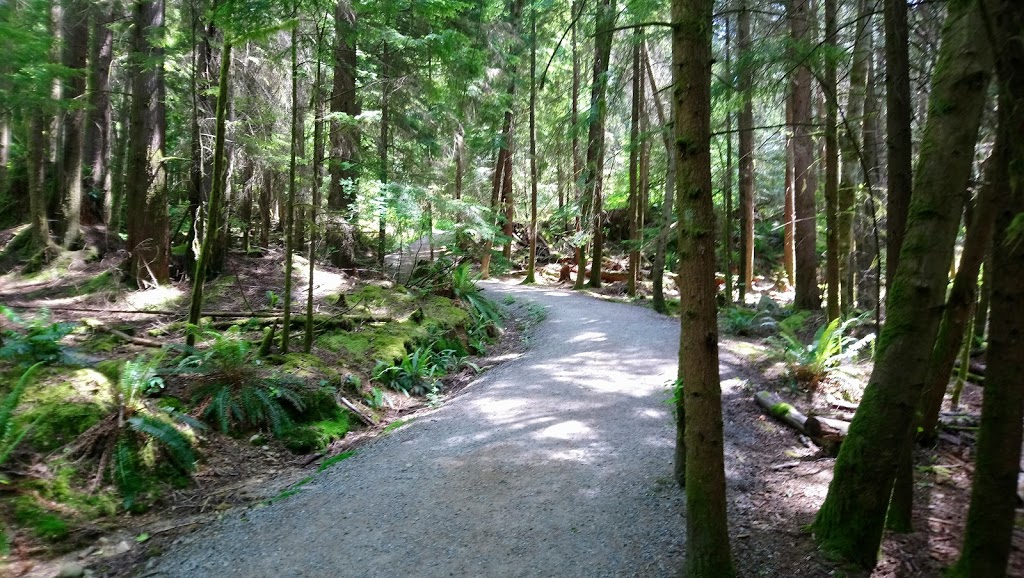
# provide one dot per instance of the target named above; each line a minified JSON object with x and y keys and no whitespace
{"x":557,"y":463}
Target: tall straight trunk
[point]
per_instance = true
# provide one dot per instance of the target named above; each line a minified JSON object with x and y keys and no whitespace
{"x":807,"y":295}
{"x":667,"y":204}
{"x":577,"y":159}
{"x":990,"y":520}
{"x":289,"y":227}
{"x":216,"y":193}
{"x":459,"y":153}
{"x":76,"y":50}
{"x":898,"y":115}
{"x":146,"y":185}
{"x":266,"y":198}
{"x":727,"y":181}
{"x":98,"y":144}
{"x":314,"y":208}
{"x":788,"y":210}
{"x":594,"y":170}
{"x":36,"y":161}
{"x":707,"y":531}
{"x":984,"y":297}
{"x":497,"y":181}
{"x":849,"y":143}
{"x":344,"y":161}
{"x":508,"y":206}
{"x":746,"y":155}
{"x":831,"y":89}
{"x":963,"y":294}
{"x":634,"y":169}
{"x":868,"y":254}
{"x":851,"y":520}
{"x":532,"y":232}
{"x":382,"y":153}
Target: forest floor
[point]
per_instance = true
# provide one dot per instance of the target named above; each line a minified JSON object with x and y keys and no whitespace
{"x":556,"y":461}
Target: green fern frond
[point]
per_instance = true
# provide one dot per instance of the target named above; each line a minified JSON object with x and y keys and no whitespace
{"x":169,"y":438}
{"x":126,"y":471}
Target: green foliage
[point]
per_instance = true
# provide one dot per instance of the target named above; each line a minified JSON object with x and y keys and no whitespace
{"x":234,"y":391}
{"x":738,"y":320}
{"x":10,"y":435}
{"x":42,"y":522}
{"x":830,"y":347}
{"x":335,"y":459}
{"x":35,"y":340}
{"x":377,"y":399}
{"x":415,"y":374}
{"x":315,"y":436}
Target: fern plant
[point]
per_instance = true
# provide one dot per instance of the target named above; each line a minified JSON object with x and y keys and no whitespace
{"x":137,"y":431}
{"x":10,"y":434}
{"x":34,"y":340}
{"x":415,"y":375}
{"x":234,"y":392}
{"x":830,"y":347}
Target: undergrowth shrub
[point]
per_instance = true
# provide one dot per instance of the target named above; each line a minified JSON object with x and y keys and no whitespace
{"x":235,"y":392}
{"x":33,"y":340}
{"x":830,"y":347}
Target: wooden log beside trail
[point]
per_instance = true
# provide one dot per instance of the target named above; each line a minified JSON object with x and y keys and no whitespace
{"x":825,"y":431}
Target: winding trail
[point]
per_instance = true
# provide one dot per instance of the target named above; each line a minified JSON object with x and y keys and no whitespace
{"x":557,"y":463}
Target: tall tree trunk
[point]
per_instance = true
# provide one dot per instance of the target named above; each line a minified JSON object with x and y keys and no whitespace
{"x":577,"y":160}
{"x":661,"y":244}
{"x":314,"y":208}
{"x":898,"y":115}
{"x":807,"y":295}
{"x":851,"y":520}
{"x":831,"y":89}
{"x":76,"y":50}
{"x":531,"y":263}
{"x":963,"y":294}
{"x":634,"y":169}
{"x":344,"y":162}
{"x":382,"y":153}
{"x":289,"y":227}
{"x":594,"y":170}
{"x":788,"y":210}
{"x":216,"y":193}
{"x":849,"y":143}
{"x":146,"y":185}
{"x":100,"y":114}
{"x":36,"y":161}
{"x":990,"y":520}
{"x":707,"y":532}
{"x":746,"y":155}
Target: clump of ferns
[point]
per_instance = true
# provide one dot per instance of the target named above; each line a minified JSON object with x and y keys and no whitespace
{"x":139,"y":434}
{"x":234,"y":391}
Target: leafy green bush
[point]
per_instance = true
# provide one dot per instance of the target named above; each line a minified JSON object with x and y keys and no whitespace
{"x":738,"y":320}
{"x":35,"y":340}
{"x":131,"y":439}
{"x":234,"y":391}
{"x":415,"y":375}
{"x":829,"y":348}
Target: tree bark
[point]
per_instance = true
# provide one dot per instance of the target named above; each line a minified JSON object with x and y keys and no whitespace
{"x":831,"y":89}
{"x":594,"y":170}
{"x":898,"y":116}
{"x":634,"y":169}
{"x":707,"y":532}
{"x":146,"y":185}
{"x":990,"y":520}
{"x":851,"y":520}
{"x":531,"y":263}
{"x":76,"y":50}
{"x":100,"y":114}
{"x":344,"y":161}
{"x":807,"y":296}
{"x":745,"y":123}
{"x":667,"y":204}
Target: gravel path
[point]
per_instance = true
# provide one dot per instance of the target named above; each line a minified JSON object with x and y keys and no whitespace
{"x":557,"y":463}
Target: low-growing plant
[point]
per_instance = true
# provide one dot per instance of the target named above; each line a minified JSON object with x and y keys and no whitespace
{"x":34,"y":340}
{"x":130,"y":439}
{"x":10,"y":434}
{"x":415,"y":375}
{"x":830,"y":347}
{"x":233,"y":390}
{"x":738,"y":320}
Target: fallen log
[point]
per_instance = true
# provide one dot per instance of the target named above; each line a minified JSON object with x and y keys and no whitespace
{"x":840,"y":403}
{"x":129,"y":338}
{"x":781,"y":410}
{"x":363,"y":417}
{"x":819,"y":426}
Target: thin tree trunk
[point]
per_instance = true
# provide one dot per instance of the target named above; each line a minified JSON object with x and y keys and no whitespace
{"x":851,"y":520}
{"x":289,"y":227}
{"x":831,"y":88}
{"x":219,"y":174}
{"x":634,"y":169}
{"x":532,"y":233}
{"x":314,"y":209}
{"x":899,"y":112}
{"x":707,"y":531}
{"x":594,"y":170}
{"x":100,"y":114}
{"x":577,"y":160}
{"x":36,"y":161}
{"x":667,"y":208}
{"x":746,"y":156}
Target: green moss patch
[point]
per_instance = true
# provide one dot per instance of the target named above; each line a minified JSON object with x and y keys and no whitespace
{"x":781,"y":409}
{"x":62,"y":405}
{"x":315,"y":436}
{"x":306,"y":367}
{"x":41,"y":522}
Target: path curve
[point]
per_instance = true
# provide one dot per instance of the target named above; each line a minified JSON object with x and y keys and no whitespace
{"x":557,"y":463}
